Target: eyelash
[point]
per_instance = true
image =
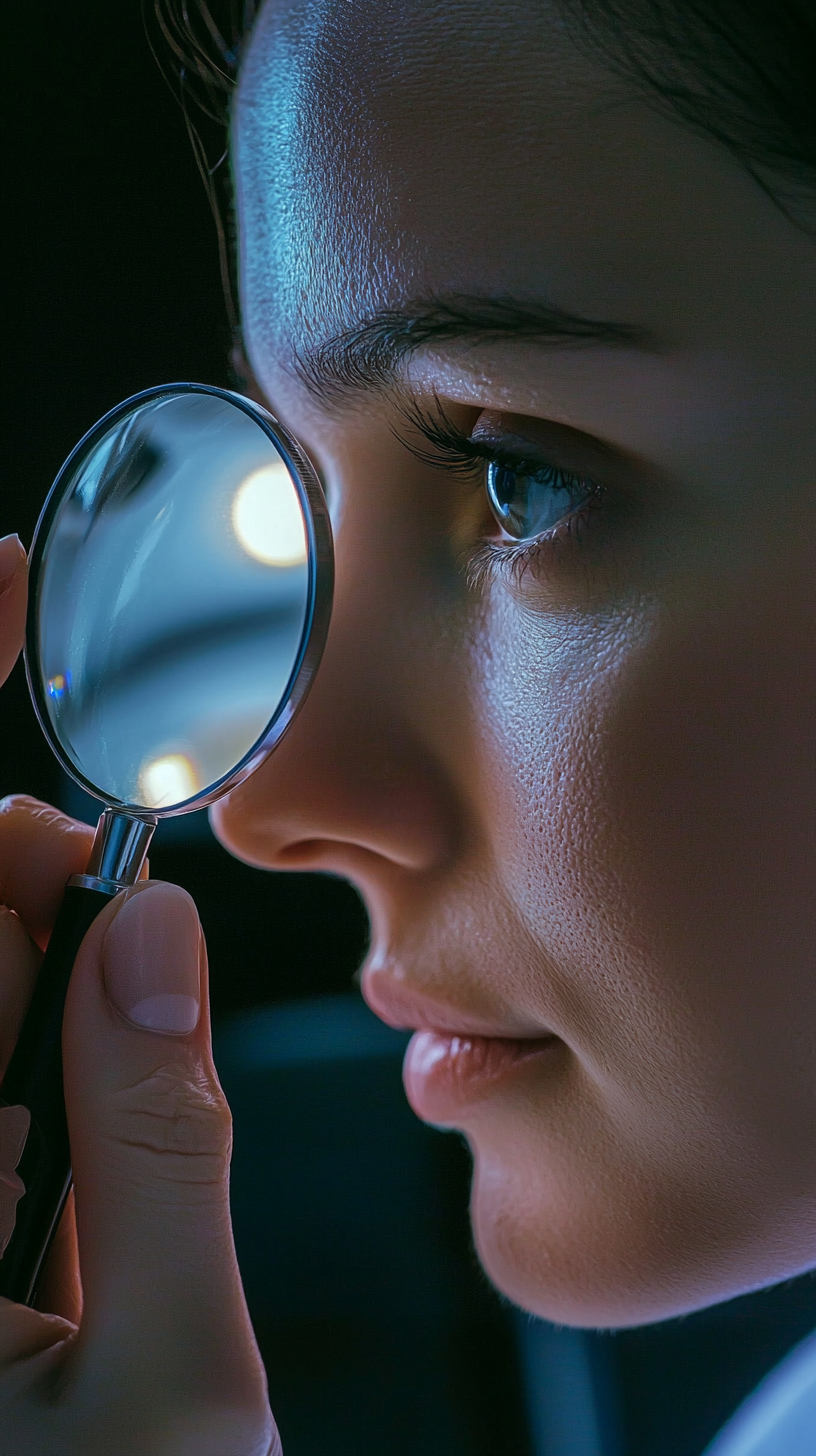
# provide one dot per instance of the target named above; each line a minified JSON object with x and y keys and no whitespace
{"x":458,"y":453}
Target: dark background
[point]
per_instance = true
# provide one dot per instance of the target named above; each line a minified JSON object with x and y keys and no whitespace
{"x":111,"y":284}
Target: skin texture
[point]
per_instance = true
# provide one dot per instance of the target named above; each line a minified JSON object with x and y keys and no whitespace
{"x":577,"y":795}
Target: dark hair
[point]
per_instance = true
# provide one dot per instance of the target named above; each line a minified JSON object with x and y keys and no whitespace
{"x":197,"y":47}
{"x":742,"y":72}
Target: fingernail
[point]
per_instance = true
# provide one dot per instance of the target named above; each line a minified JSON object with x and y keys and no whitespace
{"x":12,"y":554}
{"x":150,"y":960}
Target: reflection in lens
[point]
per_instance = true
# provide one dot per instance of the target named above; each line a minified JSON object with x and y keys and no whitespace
{"x":168,"y":780}
{"x":59,"y":685}
{"x":267,"y":520}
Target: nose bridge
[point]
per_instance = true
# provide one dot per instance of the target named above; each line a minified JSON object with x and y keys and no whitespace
{"x":358,"y":770}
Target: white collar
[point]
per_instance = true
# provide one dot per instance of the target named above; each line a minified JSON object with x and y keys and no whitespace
{"x":779,"y":1417}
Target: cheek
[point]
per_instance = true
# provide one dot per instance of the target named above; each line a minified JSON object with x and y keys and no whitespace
{"x":716,"y":775}
{"x":652,"y":788}
{"x":715,"y":781}
{"x":549,"y":692}
{"x":555,"y":750}
{"x":649,"y":780}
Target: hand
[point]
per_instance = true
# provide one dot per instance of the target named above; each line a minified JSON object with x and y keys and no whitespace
{"x":160,"y":1360}
{"x":13,"y":597}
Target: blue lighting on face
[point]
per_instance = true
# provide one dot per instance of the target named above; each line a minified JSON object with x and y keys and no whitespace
{"x":59,"y":686}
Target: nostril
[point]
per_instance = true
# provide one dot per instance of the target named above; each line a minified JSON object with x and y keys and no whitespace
{"x":363,"y":835}
{"x":347,"y":857}
{"x":304,"y":854}
{"x":333,"y":800}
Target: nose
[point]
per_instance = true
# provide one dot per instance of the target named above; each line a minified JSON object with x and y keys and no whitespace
{"x":359,"y":785}
{"x":348,"y":785}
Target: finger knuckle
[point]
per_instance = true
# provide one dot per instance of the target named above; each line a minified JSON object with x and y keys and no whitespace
{"x":22,"y":810}
{"x":25,"y":820}
{"x":14,"y":803}
{"x":15,"y":808}
{"x":180,"y":1117}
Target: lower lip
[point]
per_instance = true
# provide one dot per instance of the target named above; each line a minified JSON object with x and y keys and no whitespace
{"x":444,"y":1074}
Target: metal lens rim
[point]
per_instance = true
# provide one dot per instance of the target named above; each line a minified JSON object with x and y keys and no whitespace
{"x":316,"y":619}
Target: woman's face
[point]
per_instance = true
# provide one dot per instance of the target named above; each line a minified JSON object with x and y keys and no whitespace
{"x":573,"y":779}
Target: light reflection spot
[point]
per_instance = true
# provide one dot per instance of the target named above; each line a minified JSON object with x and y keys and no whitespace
{"x":59,"y":685}
{"x":267,"y":520}
{"x":167,"y":780}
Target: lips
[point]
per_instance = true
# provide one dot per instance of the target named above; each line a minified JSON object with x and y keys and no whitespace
{"x":444,"y":1073}
{"x":456,"y":1058}
{"x":409,"y":1009}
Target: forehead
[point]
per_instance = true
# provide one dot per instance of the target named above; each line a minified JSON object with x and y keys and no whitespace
{"x":390,"y":151}
{"x":353,"y":122}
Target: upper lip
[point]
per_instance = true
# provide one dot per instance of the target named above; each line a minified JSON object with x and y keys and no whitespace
{"x":407,"y":1008}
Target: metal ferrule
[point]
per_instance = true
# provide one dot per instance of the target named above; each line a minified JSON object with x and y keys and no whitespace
{"x":119,"y":850}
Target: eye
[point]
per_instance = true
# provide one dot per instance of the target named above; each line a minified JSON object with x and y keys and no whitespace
{"x":529,"y":500}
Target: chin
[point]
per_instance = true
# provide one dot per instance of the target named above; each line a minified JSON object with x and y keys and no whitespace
{"x":605,"y":1253}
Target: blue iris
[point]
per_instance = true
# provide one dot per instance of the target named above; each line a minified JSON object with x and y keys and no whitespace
{"x":529,"y":501}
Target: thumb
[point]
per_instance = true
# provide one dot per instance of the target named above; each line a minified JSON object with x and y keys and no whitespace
{"x":13,"y":599}
{"x":151,"y":1140}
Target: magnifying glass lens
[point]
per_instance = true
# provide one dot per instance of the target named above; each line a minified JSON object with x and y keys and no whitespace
{"x":175,"y":597}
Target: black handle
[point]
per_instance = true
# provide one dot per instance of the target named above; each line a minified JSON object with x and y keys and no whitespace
{"x":34,"y":1080}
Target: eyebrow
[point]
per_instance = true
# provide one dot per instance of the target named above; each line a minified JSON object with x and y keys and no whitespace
{"x":367,"y":358}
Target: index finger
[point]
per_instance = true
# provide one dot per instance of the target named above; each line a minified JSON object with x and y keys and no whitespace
{"x":13,"y":599}
{"x":40,"y":848}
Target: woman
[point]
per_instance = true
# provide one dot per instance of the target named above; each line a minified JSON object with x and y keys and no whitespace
{"x":534,"y":285}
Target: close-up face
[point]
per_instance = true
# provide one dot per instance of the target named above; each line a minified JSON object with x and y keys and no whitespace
{"x":552,"y":353}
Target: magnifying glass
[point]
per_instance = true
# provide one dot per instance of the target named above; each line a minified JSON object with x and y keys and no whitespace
{"x":181,"y":587}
